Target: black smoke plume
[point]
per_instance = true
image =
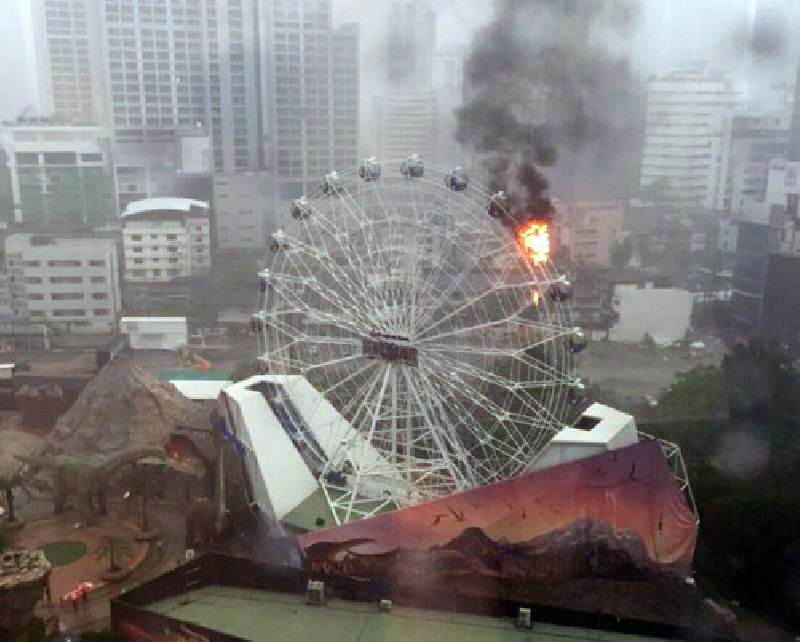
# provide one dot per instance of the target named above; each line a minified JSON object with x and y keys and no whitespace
{"x":542,"y":82}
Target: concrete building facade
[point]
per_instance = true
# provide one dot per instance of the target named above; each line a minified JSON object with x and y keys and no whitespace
{"x":756,"y":139}
{"x":61,"y":175}
{"x":244,"y":210}
{"x":165,"y":239}
{"x":310,"y":92}
{"x":687,"y":136}
{"x":407,"y":123}
{"x":70,"y":284}
{"x":67,"y":31}
{"x":174,"y":64}
{"x":590,"y":231}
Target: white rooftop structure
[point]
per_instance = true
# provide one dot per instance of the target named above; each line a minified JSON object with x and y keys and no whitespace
{"x":290,"y":432}
{"x":155,"y":333}
{"x":200,"y":389}
{"x":176,"y":204}
{"x":600,"y":428}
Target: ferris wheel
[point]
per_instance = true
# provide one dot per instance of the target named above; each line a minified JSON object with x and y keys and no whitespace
{"x":440,"y":346}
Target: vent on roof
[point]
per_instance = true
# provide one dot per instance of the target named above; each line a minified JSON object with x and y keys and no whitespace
{"x":587,"y":423}
{"x":315,"y":593}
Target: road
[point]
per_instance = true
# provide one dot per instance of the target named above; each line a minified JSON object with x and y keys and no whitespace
{"x":631,"y":372}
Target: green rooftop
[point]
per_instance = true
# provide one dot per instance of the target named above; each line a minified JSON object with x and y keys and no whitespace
{"x":266,"y":617}
{"x":304,"y":516}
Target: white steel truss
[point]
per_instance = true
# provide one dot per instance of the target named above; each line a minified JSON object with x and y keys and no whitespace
{"x":427,"y":329}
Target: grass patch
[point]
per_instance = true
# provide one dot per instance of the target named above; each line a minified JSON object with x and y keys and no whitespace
{"x":63,"y":553}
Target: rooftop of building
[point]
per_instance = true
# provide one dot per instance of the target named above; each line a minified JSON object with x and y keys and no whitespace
{"x":269,"y":615}
{"x":163,"y":204}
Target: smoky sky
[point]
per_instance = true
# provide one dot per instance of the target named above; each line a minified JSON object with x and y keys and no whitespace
{"x":543,"y":81}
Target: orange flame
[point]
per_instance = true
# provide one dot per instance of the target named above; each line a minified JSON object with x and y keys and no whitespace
{"x":535,"y":240}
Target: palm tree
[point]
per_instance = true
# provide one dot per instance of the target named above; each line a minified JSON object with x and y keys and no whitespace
{"x":115,"y":549}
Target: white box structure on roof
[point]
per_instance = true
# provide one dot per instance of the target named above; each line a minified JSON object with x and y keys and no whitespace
{"x":600,"y":428}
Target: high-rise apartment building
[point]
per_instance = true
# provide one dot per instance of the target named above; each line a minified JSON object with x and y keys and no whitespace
{"x":407,"y":123}
{"x":425,"y":87}
{"x":150,"y":67}
{"x":411,"y":44}
{"x":68,"y":31}
{"x":687,"y":136}
{"x":448,"y":85}
{"x":310,"y":92}
{"x":178,"y":63}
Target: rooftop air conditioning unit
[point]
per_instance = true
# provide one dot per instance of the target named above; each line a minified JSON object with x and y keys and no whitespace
{"x":315,"y":593}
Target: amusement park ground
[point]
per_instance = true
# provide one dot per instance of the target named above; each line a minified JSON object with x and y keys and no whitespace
{"x":149,"y":559}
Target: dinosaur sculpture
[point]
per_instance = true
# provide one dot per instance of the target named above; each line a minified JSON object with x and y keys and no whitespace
{"x":84,"y":478}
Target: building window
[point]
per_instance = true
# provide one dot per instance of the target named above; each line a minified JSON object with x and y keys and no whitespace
{"x":101,"y":312}
{"x":59,"y":158}
{"x":66,"y":279}
{"x":156,"y":272}
{"x":31,"y":263}
{"x":69,"y":313}
{"x":36,"y":297}
{"x":99,"y":295}
{"x":37,"y":313}
{"x":97,"y":263}
{"x":92,"y":158}
{"x":136,"y":237}
{"x":172,"y":248}
{"x":137,"y":248}
{"x":33,"y":279}
{"x":98,"y":279}
{"x":64,"y":263}
{"x":67,"y":296}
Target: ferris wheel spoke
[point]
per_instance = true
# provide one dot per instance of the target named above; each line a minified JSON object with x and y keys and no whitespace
{"x":467,"y":306}
{"x":346,"y":322}
{"x":347,"y":288}
{"x":349,"y":378}
{"x":434,"y":431}
{"x":549,"y":331}
{"x":361,"y":270}
{"x":481,"y":436}
{"x":366,"y":463}
{"x":463,"y":373}
{"x":426,"y":292}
